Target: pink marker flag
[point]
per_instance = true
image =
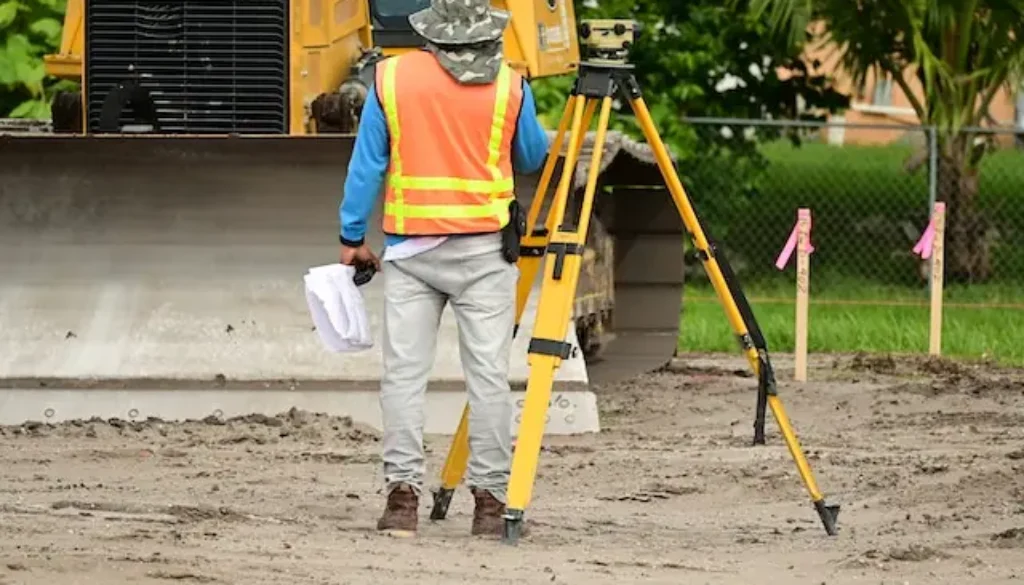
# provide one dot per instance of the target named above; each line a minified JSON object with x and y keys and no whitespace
{"x":923,"y":248}
{"x":790,"y":247}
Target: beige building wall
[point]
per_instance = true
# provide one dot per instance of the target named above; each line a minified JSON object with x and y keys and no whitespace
{"x":883,"y":101}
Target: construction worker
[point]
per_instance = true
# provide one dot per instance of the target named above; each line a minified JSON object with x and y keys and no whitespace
{"x":446,"y":125}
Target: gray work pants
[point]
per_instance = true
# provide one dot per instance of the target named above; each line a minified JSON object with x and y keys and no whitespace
{"x":469,"y":273}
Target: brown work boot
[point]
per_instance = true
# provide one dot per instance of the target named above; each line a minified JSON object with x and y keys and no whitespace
{"x":487,"y":514}
{"x":401,"y":513}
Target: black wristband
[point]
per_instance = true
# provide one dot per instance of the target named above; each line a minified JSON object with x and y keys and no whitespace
{"x":351,"y":243}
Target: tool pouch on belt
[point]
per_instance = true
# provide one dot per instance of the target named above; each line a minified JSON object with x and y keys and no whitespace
{"x":512,"y":232}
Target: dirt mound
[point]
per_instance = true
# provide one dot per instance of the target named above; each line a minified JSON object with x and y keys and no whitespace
{"x":912,"y":364}
{"x":257,"y":428}
{"x":931,"y":375}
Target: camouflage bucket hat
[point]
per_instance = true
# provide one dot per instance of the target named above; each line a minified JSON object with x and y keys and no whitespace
{"x":460,"y":22}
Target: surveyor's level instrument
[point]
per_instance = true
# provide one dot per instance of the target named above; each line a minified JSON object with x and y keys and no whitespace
{"x":561,"y":240}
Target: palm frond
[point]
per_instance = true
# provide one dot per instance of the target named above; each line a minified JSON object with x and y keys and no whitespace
{"x":963,"y":51}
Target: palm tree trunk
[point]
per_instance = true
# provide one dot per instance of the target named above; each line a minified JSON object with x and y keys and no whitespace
{"x":968,"y":258}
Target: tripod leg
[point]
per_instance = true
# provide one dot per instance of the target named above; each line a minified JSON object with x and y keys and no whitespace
{"x":535,"y":241}
{"x":549,"y":166}
{"x":454,"y":468}
{"x":547,"y":346}
{"x":529,"y":263}
{"x":828,"y":514}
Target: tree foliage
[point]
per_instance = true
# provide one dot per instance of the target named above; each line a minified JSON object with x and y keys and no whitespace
{"x":703,"y":58}
{"x":29,"y":29}
{"x":963,"y":52}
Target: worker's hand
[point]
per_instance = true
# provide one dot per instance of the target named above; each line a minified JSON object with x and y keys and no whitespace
{"x":359,"y":256}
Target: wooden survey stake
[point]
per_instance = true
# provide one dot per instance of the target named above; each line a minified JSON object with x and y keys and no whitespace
{"x":939,"y":227}
{"x":803,"y":286}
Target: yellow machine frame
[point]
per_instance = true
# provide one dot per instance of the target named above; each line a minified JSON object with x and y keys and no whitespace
{"x":328,"y":36}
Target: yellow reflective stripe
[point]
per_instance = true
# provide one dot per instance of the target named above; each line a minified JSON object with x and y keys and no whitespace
{"x":498,"y":120}
{"x":496,"y":207}
{"x":452,"y":184}
{"x":391,"y":111}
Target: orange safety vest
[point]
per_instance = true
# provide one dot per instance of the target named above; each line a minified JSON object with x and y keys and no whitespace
{"x":451,"y":147}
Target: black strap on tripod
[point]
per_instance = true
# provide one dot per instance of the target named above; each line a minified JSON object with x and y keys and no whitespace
{"x":535,"y":251}
{"x":754,"y":338}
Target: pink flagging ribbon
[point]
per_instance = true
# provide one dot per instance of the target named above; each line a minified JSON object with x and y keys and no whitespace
{"x":923,"y":247}
{"x":790,"y":246}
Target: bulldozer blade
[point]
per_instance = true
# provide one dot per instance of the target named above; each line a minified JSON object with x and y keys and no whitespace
{"x":162,"y":276}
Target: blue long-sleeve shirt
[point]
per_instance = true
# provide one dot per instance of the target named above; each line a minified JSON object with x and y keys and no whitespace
{"x":371,"y":154}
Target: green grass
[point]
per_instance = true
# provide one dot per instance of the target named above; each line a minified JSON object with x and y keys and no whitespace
{"x":978,"y":322}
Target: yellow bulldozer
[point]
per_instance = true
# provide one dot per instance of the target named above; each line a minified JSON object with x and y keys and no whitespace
{"x":154,"y":233}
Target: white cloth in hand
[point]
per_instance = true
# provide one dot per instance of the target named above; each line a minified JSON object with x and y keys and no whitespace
{"x":337,"y":308}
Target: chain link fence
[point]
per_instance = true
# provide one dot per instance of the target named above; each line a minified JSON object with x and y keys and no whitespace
{"x":870,"y":189}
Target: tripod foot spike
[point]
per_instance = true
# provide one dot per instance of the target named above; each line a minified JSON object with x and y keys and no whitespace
{"x":513,"y":526}
{"x":442,"y":499}
{"x":829,"y":515}
{"x":758,"y":435}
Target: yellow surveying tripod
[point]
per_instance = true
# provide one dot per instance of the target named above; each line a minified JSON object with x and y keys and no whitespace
{"x":600,"y":77}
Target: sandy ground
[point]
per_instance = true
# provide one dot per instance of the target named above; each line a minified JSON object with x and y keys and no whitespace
{"x":926,"y":458}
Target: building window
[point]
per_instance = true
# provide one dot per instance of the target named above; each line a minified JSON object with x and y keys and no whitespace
{"x":883,"y":91}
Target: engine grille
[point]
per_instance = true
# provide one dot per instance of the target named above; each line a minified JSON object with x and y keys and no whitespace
{"x":210,"y":67}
